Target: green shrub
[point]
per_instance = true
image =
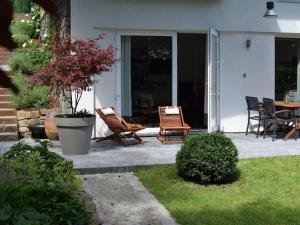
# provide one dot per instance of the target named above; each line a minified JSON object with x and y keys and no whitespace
{"x":20,"y":62}
{"x":37,"y":188}
{"x":30,"y":60}
{"x":51,"y":202}
{"x":18,"y":27}
{"x":24,"y":163}
{"x":207,"y":158}
{"x":20,"y":38}
{"x":30,"y":97}
{"x":21,"y":6}
{"x":21,"y":216}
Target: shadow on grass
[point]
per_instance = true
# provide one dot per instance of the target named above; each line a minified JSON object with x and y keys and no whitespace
{"x":262,"y":212}
{"x":235,"y":176}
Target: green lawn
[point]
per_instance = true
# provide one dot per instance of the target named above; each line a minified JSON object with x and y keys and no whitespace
{"x":267,"y":193}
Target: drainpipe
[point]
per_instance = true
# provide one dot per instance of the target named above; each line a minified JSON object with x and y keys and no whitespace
{"x":298,"y":70}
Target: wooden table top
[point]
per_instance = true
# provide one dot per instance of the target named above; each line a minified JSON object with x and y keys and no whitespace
{"x":293,"y":105}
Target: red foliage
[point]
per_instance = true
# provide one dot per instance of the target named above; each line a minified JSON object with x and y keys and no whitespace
{"x":76,"y":63}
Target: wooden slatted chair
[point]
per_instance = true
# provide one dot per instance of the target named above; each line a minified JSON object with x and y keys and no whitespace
{"x":118,"y":125}
{"x":173,"y":129}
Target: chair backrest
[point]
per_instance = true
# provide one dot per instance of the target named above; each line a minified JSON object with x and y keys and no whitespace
{"x":114,"y":121}
{"x":269,"y":107}
{"x":170,"y":119}
{"x":252,"y":103}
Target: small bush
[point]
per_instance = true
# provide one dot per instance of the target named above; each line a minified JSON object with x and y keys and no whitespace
{"x":18,"y":27}
{"x":207,"y":158}
{"x":37,"y":188}
{"x":20,"y":38}
{"x":30,"y":97}
{"x":24,"y":163}
{"x":30,"y":60}
{"x":20,"y":62}
{"x":48,"y":202}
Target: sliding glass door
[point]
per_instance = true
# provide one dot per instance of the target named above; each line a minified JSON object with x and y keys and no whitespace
{"x":146,"y":77}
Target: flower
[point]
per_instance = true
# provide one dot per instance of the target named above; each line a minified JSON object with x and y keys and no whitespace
{"x":22,"y":21}
{"x":24,"y":45}
{"x":45,"y":35}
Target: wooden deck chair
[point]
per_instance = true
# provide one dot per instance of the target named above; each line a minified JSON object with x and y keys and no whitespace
{"x":118,"y":125}
{"x":173,"y":129}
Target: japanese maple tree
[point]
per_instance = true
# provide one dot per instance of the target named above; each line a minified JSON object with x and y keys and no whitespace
{"x":75,"y":64}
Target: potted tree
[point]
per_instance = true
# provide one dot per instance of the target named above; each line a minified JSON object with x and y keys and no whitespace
{"x":72,"y":72}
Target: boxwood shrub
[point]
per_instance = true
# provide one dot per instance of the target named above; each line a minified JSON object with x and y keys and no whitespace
{"x":207,"y":158}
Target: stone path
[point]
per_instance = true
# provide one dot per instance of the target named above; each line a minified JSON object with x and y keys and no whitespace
{"x":122,"y":200}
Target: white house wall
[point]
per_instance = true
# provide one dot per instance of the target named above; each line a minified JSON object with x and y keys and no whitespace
{"x":177,"y":15}
{"x":257,"y":63}
{"x":237,"y":21}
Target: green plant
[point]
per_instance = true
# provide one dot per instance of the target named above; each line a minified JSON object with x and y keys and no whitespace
{"x":21,"y":27}
{"x":22,"y":216}
{"x":30,"y":60}
{"x":20,"y":39}
{"x":36,"y":163}
{"x":21,"y":6}
{"x":36,"y":20}
{"x":37,"y":188}
{"x":207,"y":158}
{"x":53,"y":201}
{"x":20,"y":62}
{"x":30,"y":97}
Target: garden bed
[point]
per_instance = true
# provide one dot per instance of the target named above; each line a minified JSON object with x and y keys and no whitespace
{"x":267,"y":192}
{"x":38,"y":187}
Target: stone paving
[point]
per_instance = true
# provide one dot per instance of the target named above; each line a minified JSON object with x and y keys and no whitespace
{"x":110,"y":157}
{"x":121,"y":199}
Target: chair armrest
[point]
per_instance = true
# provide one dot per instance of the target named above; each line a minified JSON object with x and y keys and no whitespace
{"x":285,"y":111}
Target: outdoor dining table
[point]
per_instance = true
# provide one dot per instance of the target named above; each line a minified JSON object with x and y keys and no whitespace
{"x":291,"y":106}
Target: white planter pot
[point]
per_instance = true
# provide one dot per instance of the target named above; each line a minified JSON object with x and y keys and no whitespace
{"x":75,"y":134}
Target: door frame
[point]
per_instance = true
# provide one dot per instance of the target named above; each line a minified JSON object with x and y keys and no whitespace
{"x":118,"y":35}
{"x":209,"y":66}
{"x":173,"y":34}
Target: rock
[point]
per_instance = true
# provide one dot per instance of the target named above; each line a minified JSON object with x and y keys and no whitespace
{"x":34,"y":114}
{"x":23,"y":129}
{"x":22,"y":114}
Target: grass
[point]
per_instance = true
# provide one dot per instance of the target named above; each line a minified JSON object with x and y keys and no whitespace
{"x":267,"y":193}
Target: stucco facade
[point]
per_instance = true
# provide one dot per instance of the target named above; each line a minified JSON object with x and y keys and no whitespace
{"x":242,"y":70}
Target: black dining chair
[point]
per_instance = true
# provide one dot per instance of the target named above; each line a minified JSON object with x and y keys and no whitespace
{"x":254,"y":106}
{"x":276,"y":118}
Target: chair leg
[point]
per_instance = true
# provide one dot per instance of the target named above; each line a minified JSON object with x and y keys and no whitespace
{"x":258,"y":128}
{"x":248,"y":123}
{"x":275,"y":131}
{"x":265,"y":128}
{"x":136,"y":137}
{"x":110,"y":137}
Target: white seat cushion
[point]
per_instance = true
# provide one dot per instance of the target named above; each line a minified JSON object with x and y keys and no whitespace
{"x":108,"y":111}
{"x":172,"y":111}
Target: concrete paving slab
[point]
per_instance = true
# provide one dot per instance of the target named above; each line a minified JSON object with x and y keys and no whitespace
{"x":110,"y":157}
{"x":121,"y":199}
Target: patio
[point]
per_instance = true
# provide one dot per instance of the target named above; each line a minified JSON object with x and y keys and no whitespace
{"x":110,"y":157}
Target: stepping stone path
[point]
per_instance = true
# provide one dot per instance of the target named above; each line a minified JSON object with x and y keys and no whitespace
{"x":121,"y":199}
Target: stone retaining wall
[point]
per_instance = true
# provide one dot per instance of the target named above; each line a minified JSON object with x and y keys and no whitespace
{"x":26,"y":118}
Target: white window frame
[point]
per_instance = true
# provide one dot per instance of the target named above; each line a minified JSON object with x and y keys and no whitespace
{"x":118,"y":36}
